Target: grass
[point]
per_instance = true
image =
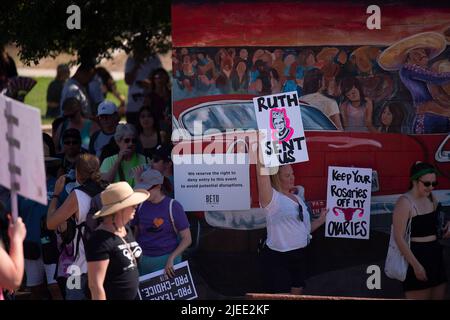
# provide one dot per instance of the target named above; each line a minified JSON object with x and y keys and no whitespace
{"x":38,"y":95}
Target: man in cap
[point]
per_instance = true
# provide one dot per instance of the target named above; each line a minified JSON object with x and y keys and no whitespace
{"x":108,"y":119}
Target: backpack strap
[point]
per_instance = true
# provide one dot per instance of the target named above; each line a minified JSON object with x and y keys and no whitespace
{"x":92,"y":189}
{"x":80,"y":229}
{"x":171,"y":216}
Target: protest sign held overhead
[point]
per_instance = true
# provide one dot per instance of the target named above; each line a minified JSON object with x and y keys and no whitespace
{"x":280,"y":118}
{"x":348,"y":197}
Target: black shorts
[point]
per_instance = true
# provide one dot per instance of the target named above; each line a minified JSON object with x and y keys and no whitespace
{"x":429,"y":254}
{"x":283,"y":270}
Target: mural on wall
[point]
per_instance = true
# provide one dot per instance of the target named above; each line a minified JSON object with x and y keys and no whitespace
{"x":382,"y":92}
{"x":402,"y":88}
{"x":394,"y":79}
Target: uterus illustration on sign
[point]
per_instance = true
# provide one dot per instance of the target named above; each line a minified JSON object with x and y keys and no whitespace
{"x":348,"y":212}
{"x":280,"y":125}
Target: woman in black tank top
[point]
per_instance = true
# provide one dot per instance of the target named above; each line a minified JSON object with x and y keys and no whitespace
{"x":150,"y":135}
{"x":426,"y":276}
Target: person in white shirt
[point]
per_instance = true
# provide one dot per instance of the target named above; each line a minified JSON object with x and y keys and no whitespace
{"x":76,"y":87}
{"x":288,"y":231}
{"x":313,"y":86}
{"x":137,"y":68}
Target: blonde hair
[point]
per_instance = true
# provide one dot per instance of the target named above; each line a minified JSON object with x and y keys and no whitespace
{"x":88,"y":167}
{"x":275,"y":181}
{"x":275,"y":177}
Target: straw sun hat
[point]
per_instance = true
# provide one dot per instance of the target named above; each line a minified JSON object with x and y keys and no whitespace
{"x":119,"y":196}
{"x":394,"y":56}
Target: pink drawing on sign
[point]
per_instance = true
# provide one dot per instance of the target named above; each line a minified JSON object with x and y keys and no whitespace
{"x":348,"y":212}
{"x":280,"y":125}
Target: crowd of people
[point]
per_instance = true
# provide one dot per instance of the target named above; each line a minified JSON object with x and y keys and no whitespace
{"x":110,"y":213}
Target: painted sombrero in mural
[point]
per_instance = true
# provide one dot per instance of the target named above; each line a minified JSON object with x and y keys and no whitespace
{"x":393,"y":57}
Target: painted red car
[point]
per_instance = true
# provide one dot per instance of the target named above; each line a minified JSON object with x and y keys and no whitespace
{"x":228,"y":239}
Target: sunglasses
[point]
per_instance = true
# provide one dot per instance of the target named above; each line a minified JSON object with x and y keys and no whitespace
{"x":105,"y":116}
{"x":72,"y":142}
{"x":429,"y":183}
{"x":300,"y":212}
{"x":128,"y":140}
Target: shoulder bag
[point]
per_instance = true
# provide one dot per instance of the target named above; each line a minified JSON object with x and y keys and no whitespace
{"x":396,"y":265}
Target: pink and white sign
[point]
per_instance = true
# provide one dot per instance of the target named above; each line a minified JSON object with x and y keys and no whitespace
{"x":279,"y":117}
{"x":348,"y":200}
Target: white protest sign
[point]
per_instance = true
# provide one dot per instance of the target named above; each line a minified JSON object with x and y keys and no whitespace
{"x":202,"y":186}
{"x":158,"y":286}
{"x":348,"y":199}
{"x":20,"y":132}
{"x":279,"y":116}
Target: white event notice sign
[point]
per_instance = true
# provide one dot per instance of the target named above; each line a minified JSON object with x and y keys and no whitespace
{"x":202,"y":186}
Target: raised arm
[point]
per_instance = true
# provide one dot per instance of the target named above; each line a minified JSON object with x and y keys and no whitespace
{"x":70,"y":206}
{"x":110,"y":173}
{"x":263,"y":179}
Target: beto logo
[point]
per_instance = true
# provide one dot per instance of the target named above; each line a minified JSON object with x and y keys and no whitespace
{"x":212,"y":198}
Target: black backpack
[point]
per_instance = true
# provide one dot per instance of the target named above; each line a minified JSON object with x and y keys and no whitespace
{"x":86,"y":228}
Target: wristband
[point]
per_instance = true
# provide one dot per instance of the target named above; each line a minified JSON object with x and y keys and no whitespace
{"x":55,"y":196}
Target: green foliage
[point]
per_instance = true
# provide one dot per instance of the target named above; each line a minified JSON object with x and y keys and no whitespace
{"x":38,"y":95}
{"x":39,"y":28}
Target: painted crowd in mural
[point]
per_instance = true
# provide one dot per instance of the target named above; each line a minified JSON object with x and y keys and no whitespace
{"x":402,"y":88}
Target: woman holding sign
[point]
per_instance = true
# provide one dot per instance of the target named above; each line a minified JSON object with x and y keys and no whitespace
{"x":425,"y":278}
{"x":111,"y":251}
{"x":288,"y":231}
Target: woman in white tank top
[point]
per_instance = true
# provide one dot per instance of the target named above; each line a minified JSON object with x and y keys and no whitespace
{"x":77,"y":205}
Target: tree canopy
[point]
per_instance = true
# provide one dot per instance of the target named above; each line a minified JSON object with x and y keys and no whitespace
{"x":39,"y":27}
